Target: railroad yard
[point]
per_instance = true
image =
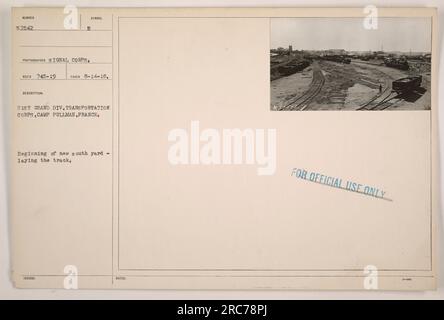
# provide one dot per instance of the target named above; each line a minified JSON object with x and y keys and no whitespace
{"x":349,"y":82}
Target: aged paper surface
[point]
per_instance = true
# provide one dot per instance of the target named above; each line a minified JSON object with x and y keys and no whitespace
{"x":224,"y":148}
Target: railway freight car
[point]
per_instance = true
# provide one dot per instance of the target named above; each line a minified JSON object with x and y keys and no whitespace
{"x":337,"y":58}
{"x":287,"y":69}
{"x":399,"y":63}
{"x":406,"y":84}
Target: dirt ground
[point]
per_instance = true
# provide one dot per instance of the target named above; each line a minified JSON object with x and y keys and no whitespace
{"x":351,"y":87}
{"x":286,"y":88}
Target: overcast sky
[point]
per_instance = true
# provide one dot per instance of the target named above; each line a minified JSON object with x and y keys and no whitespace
{"x":393,"y":34}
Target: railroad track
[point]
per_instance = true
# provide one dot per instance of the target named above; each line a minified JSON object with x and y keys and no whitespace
{"x":302,"y":102}
{"x":388,"y":101}
{"x":367,"y":105}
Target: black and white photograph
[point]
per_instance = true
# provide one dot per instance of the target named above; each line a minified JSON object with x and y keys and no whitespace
{"x":340,"y":64}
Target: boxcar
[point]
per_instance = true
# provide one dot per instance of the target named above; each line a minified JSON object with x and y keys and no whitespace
{"x":406,"y":84}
